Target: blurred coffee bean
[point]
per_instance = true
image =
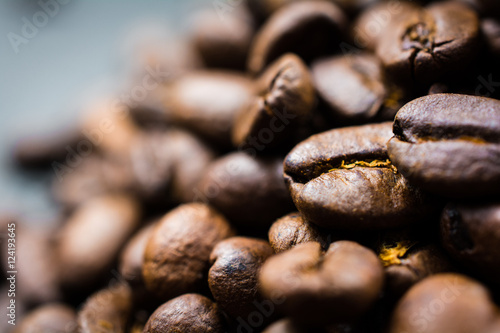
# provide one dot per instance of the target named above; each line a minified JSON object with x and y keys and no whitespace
{"x":343,"y":179}
{"x":51,"y":317}
{"x":307,"y":28}
{"x":470,"y":233}
{"x":233,"y":277}
{"x":354,"y":89}
{"x":424,"y":44}
{"x":491,"y":30}
{"x":132,"y":255}
{"x":292,"y":230}
{"x":177,"y":255}
{"x":285,"y":97}
{"x":444,"y":303}
{"x":106,"y":311}
{"x":485,"y":7}
{"x":43,"y":151}
{"x":206,"y":102}
{"x":287,"y":326}
{"x":249,"y":191}
{"x":406,"y":262}
{"x":189,"y":313}
{"x":449,"y":144}
{"x":92,"y":238}
{"x":369,"y":27}
{"x":223,"y":41}
{"x":315,"y":287}
{"x":33,"y":256}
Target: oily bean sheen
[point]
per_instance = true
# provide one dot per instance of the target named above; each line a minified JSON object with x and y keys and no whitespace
{"x":177,"y":255}
{"x":189,"y":313}
{"x":470,"y":232}
{"x":308,"y":29}
{"x":106,"y":311}
{"x":285,"y":96}
{"x":318,"y":287}
{"x":449,"y":144}
{"x":343,"y":179}
{"x":424,"y":44}
{"x":233,"y":276}
{"x":249,"y":191}
{"x":292,"y":230}
{"x":352,"y":86}
{"x":51,"y":317}
{"x":444,"y":303}
{"x":206,"y":102}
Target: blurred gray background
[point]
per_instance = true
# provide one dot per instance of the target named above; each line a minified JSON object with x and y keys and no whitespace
{"x":80,"y":53}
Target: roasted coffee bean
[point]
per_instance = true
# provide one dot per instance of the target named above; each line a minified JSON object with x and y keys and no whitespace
{"x":177,"y":255}
{"x":470,"y":234}
{"x":34,"y":257}
{"x":353,"y":88}
{"x":406,"y":262}
{"x":292,"y":230}
{"x":449,"y":144}
{"x":189,"y":313}
{"x":132,"y":255}
{"x":316,"y":287}
{"x":424,"y":44}
{"x":485,"y":7}
{"x":369,"y":27}
{"x":106,"y":311}
{"x":206,"y":102}
{"x":92,"y":237}
{"x":491,"y":30}
{"x":249,"y":191}
{"x":223,"y":43}
{"x":343,"y":179}
{"x":285,"y":97}
{"x":307,"y":28}
{"x":233,"y":276}
{"x":51,"y":317}
{"x":445,"y":303}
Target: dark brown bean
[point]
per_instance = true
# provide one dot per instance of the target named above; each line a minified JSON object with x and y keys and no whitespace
{"x":449,"y":144}
{"x":290,"y":30}
{"x":177,"y":255}
{"x":249,"y":191}
{"x":285,"y":97}
{"x":322,"y":288}
{"x":233,"y":276}
{"x":343,"y":179}
{"x":106,"y":311}
{"x":189,"y":313}
{"x":92,"y":237}
{"x":470,"y":234}
{"x":444,"y":303}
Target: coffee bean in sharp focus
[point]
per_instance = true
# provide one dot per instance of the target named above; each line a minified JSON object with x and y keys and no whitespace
{"x":248,"y":190}
{"x":177,"y":255}
{"x":424,"y":44}
{"x":343,"y":179}
{"x":285,"y":99}
{"x":321,"y":288}
{"x":307,"y":28}
{"x":445,"y":303}
{"x":470,"y":232}
{"x":292,"y":230}
{"x":449,"y":144}
{"x":189,"y":313}
{"x":232,"y":278}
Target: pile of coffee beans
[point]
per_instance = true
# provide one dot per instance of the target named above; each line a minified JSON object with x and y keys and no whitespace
{"x":293,"y":166}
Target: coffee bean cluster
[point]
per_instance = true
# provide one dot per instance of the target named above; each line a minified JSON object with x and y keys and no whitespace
{"x":304,"y":166}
